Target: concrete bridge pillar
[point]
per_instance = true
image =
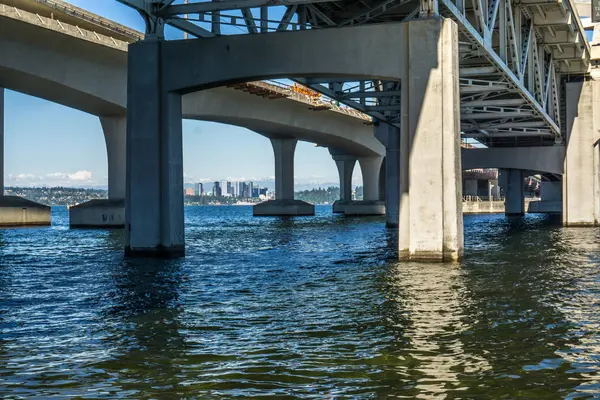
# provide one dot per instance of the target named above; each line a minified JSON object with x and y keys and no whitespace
{"x":511,"y":180}
{"x":370,"y":204}
{"x":1,"y":141}
{"x":580,"y":180}
{"x":345,"y":165}
{"x":115,"y":136}
{"x":284,"y":203}
{"x":154,"y":183}
{"x":107,"y":213}
{"x":389,"y":136}
{"x":430,"y":222}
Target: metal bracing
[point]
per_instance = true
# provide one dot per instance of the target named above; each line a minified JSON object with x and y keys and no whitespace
{"x":511,"y":52}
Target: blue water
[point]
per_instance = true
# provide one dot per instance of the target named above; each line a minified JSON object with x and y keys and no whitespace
{"x":301,"y":308}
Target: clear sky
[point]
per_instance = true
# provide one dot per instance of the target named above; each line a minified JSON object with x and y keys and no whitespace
{"x":48,"y":144}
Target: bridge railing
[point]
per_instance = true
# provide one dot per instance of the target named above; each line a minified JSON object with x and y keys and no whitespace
{"x":57,"y":25}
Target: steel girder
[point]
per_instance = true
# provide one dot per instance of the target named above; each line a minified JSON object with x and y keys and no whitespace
{"x":512,"y":54}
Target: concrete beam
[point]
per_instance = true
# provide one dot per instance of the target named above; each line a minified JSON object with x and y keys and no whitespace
{"x":541,"y":158}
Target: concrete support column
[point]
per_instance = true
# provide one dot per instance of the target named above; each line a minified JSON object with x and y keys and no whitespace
{"x":580,"y":180}
{"x":511,"y":180}
{"x":345,"y":165}
{"x":1,"y":141}
{"x":154,"y":201}
{"x":107,"y":213}
{"x":284,"y":150}
{"x":370,"y":204}
{"x":115,"y":135}
{"x":430,"y":223}
{"x":284,"y":203}
{"x":389,"y":136}
{"x":370,"y":168}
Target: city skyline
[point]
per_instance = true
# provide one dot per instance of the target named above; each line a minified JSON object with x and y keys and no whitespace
{"x":70,"y":151}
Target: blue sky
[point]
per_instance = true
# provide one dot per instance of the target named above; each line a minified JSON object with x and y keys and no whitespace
{"x":48,"y":144}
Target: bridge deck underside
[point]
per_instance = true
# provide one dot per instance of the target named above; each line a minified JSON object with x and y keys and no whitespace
{"x":512,"y":56}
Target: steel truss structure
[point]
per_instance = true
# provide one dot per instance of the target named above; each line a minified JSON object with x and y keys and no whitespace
{"x":513,"y":53}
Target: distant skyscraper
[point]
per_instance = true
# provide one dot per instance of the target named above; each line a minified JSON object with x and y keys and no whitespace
{"x":250,"y":189}
{"x":229,"y":189}
{"x":217,"y":189}
{"x":200,"y":189}
{"x":197,"y":189}
{"x":224,"y":189}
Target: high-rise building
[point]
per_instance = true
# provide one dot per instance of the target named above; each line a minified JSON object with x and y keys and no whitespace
{"x":217,"y":189}
{"x":251,"y":189}
{"x":197,"y":189}
{"x":200,"y":189}
{"x":254,"y":192}
{"x":224,"y":192}
{"x":229,"y":189}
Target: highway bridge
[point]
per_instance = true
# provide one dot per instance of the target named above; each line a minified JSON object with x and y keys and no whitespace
{"x":420,"y":75}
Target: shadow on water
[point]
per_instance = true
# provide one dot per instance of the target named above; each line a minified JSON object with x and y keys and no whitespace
{"x":141,"y":319}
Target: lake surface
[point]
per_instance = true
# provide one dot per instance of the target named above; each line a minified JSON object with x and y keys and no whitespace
{"x":314,"y":307}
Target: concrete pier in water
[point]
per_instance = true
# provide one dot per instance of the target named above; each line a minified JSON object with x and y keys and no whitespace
{"x":284,"y":203}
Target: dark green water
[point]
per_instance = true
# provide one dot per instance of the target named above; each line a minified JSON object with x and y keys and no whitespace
{"x":306,"y":308}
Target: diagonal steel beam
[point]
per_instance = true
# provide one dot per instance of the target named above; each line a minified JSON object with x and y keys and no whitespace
{"x":226,"y":5}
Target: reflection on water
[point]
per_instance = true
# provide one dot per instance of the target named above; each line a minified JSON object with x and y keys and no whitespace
{"x":300,"y":308}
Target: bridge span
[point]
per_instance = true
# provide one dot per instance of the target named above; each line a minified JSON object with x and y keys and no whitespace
{"x":513,"y":76}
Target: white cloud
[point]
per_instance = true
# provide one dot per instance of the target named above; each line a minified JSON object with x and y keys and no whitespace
{"x":73,"y":179}
{"x":81,"y":176}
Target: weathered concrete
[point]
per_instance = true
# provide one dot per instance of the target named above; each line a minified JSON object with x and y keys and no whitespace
{"x":283,"y":208}
{"x":371,"y":203}
{"x":389,"y":136}
{"x":483,"y":207}
{"x":154,"y":201}
{"x":284,"y":203}
{"x":548,"y":159}
{"x":430,"y":224}
{"x":109,"y":213}
{"x":512,"y":181}
{"x":345,"y":165}
{"x":16,"y":211}
{"x":580,"y":181}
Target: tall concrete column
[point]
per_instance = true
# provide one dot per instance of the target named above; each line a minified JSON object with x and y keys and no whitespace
{"x":284,"y":150}
{"x":370,"y":168}
{"x":345,"y":165}
{"x":107,"y":213}
{"x":581,"y":170}
{"x":511,"y":180}
{"x":115,"y":135}
{"x":154,"y":201}
{"x":389,"y":136}
{"x":430,"y":222}
{"x":1,"y":141}
{"x":284,"y":203}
